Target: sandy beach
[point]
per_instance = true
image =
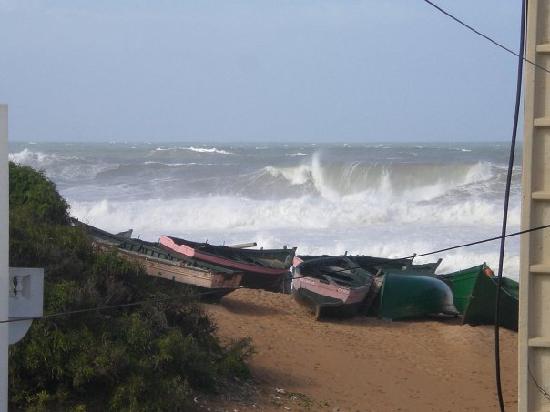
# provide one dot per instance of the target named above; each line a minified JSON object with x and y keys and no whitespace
{"x":361,"y":364}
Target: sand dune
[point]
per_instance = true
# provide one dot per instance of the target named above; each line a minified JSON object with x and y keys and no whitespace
{"x":362,"y":364}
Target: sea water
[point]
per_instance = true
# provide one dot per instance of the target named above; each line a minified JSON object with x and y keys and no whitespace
{"x":390,"y":199}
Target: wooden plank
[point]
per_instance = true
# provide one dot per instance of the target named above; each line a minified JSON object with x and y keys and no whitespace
{"x":542,"y":122}
{"x":540,"y":269}
{"x":540,"y":195}
{"x":543,"y":48}
{"x":539,"y":342}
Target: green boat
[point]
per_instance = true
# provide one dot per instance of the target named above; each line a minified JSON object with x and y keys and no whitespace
{"x":462,"y":284}
{"x":475,"y":291}
{"x":404,"y":296}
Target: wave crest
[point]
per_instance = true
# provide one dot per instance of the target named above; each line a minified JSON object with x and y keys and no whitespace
{"x":195,"y":149}
{"x":408,"y":181}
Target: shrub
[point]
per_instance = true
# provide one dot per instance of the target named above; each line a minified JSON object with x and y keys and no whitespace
{"x":151,"y":357}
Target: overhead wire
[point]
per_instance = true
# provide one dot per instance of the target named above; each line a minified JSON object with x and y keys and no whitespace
{"x":109,"y":307}
{"x":211,"y":292}
{"x":521,"y":232}
{"x":502,"y":237}
{"x":543,"y":391}
{"x":485,"y":36}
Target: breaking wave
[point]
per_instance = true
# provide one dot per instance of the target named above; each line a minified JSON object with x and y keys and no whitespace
{"x":37,"y":159}
{"x":387,"y":200}
{"x":358,"y":224}
{"x":195,"y":149}
{"x":408,"y":181}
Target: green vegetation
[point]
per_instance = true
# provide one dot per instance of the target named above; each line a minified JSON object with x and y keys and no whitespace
{"x":153,"y":357}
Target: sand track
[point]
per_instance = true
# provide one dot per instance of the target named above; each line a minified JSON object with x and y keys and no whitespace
{"x":363,"y":364}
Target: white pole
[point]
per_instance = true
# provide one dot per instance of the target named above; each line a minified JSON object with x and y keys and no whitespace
{"x":4,"y":256}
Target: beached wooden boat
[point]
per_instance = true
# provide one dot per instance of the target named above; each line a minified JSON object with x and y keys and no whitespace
{"x":331,"y":285}
{"x":404,"y":296}
{"x":474,"y":291}
{"x":262,"y":268}
{"x":161,"y":262}
{"x":462,"y":284}
{"x":380,"y":265}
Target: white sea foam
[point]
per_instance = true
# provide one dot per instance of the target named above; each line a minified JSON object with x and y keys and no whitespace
{"x":360,"y":226}
{"x":364,"y":201}
{"x":195,"y":149}
{"x":178,"y":164}
{"x":207,"y":150}
{"x":57,"y":166}
{"x":35,"y":159}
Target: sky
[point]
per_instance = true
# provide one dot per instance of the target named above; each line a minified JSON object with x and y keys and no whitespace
{"x":270,"y":70}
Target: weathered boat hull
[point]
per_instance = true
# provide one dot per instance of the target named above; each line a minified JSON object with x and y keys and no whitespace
{"x":171,"y":270}
{"x":481,"y":308}
{"x":327,"y":291}
{"x":474,"y":291}
{"x":404,"y":296}
{"x":258,"y":272}
{"x":376,"y":264}
{"x":160,"y":262}
{"x":462,"y":284}
{"x":323,"y":305}
{"x":371,"y":263}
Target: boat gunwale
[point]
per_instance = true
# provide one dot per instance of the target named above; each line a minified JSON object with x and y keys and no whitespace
{"x":168,"y":242}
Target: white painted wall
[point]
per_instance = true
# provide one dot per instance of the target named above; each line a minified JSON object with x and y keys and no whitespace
{"x":534,"y":298}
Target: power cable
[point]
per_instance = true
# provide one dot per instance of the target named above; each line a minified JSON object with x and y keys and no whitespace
{"x":481,"y":34}
{"x":108,"y":307}
{"x":206,"y":293}
{"x":543,"y":391}
{"x":521,"y":232}
{"x":511,"y":159}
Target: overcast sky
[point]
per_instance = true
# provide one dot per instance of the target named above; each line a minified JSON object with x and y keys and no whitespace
{"x":302,"y":70}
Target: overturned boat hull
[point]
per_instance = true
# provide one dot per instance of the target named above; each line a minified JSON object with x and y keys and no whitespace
{"x":404,"y":297}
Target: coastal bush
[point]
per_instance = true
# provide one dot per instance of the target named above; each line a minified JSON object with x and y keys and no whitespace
{"x":151,"y":357}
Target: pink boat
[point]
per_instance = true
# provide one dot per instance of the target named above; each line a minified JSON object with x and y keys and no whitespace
{"x":262,"y":268}
{"x":331,"y":285}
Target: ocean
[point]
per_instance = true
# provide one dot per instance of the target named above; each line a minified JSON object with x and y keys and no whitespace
{"x":390,"y":199}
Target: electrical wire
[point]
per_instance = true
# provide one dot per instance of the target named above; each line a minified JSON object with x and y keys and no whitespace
{"x":211,"y":292}
{"x":486,"y":37}
{"x":506,"y":204}
{"x":108,"y":307}
{"x":521,"y":232}
{"x":543,"y":391}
